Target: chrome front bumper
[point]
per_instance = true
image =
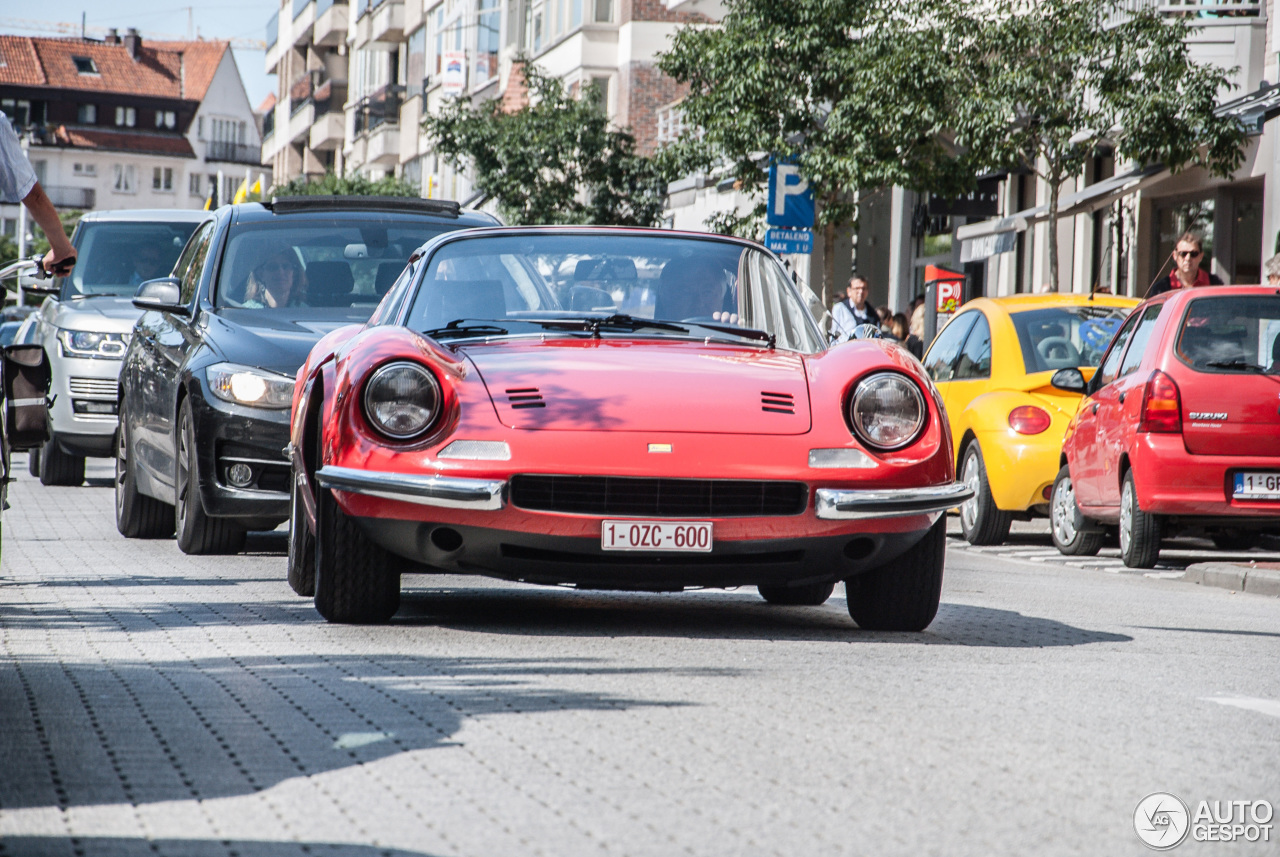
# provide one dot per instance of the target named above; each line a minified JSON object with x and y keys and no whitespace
{"x":447,"y":491}
{"x":834,"y":504}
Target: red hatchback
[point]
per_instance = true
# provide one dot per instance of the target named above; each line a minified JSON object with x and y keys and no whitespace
{"x":1179,"y":432}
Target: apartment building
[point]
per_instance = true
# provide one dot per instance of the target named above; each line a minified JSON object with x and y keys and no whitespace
{"x":397,"y":60}
{"x":123,"y":123}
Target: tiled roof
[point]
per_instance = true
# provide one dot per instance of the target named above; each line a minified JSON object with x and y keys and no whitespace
{"x":268,"y":104}
{"x":162,"y":70}
{"x":114,"y":141}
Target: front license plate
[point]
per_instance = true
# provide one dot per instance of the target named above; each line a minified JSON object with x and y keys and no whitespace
{"x":1257,"y":485}
{"x":684,"y":536}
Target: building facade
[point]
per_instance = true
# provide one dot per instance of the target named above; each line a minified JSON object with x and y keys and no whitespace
{"x":123,"y":123}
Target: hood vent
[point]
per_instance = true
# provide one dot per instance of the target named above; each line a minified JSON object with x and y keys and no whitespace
{"x":525,"y":397}
{"x":778,"y":403}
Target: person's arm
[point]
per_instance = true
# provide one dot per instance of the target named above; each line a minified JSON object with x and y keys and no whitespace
{"x":61,"y":256}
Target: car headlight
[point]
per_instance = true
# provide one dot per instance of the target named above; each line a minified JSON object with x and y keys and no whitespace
{"x":402,"y":400}
{"x":887,"y":411}
{"x":244,"y":385}
{"x":92,"y":344}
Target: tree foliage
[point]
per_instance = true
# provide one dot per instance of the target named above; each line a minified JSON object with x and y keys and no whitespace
{"x":350,"y":185}
{"x":554,"y":160}
{"x":1049,"y":82}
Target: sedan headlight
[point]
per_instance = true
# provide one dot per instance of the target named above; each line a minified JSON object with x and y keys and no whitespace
{"x":887,"y":411}
{"x":402,"y":400}
{"x":92,"y":344}
{"x":244,"y":385}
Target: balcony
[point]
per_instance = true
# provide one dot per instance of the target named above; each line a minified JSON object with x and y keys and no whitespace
{"x":302,"y":116}
{"x":380,"y":25}
{"x":380,"y":108}
{"x":328,"y":132}
{"x":330,"y":27}
{"x":235,"y":153}
{"x":304,"y":15}
{"x":82,"y":198}
{"x":274,"y":49}
{"x":383,"y":146}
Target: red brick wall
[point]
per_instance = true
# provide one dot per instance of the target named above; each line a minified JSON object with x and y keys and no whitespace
{"x":642,"y":90}
{"x":655,"y":10}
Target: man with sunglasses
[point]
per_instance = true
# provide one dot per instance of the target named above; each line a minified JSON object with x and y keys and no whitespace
{"x":1186,"y":273}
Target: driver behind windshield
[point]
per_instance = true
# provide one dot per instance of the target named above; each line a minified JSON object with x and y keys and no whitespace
{"x":277,"y":281}
{"x":149,"y":262}
{"x":692,"y":289}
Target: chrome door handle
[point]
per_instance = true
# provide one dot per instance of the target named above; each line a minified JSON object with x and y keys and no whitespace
{"x":1095,"y":407}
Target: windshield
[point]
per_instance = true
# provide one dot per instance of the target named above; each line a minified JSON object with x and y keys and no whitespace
{"x":691,"y":284}
{"x":340,"y":265}
{"x":114,"y":258}
{"x":1232,"y":334}
{"x":1064,"y":337}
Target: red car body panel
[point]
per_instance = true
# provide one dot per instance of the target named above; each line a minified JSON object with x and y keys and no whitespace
{"x":1189,"y":474}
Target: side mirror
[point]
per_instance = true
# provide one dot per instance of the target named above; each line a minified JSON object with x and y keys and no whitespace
{"x":163,"y":294}
{"x":1071,"y":380}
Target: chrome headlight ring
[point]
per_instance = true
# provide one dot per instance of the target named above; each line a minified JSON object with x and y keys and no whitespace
{"x":402,"y":400}
{"x":887,"y":411}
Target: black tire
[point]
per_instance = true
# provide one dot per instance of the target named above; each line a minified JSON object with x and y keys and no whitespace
{"x":354,"y":582}
{"x":137,"y":515}
{"x":1066,"y":520}
{"x":808,"y":595}
{"x":1140,"y":531}
{"x":302,"y":547}
{"x":981,"y":521}
{"x":198,"y":533}
{"x":902,"y":595}
{"x":58,"y":468}
{"x":33,"y":462}
{"x":1236,"y":540}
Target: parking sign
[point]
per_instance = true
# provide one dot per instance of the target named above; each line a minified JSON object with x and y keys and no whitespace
{"x":790,"y":197}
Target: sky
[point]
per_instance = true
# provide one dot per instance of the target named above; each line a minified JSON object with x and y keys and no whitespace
{"x":224,"y":19}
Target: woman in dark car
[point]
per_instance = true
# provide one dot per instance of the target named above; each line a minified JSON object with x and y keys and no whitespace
{"x":278,"y":281}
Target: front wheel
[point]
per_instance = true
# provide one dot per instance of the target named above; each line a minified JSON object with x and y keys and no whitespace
{"x":354,"y":582}
{"x":1066,"y":520}
{"x":198,"y":533}
{"x":982,"y":522}
{"x":902,"y":595}
{"x":1139,"y":531}
{"x":808,"y":595}
{"x":59,"y":468}
{"x":302,"y":546}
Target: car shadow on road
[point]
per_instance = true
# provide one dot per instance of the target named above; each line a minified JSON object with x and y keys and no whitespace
{"x":135,"y":732}
{"x":57,"y":846}
{"x":550,"y":612}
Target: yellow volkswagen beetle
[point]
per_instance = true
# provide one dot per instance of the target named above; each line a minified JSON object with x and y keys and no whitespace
{"x":992,"y":363}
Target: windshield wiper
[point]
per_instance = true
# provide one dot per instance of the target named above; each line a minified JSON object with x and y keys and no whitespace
{"x":456,"y":329}
{"x":751,"y":333}
{"x":630,"y":322}
{"x":1237,"y":363}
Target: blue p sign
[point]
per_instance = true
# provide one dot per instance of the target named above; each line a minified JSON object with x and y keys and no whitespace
{"x":790,"y":199}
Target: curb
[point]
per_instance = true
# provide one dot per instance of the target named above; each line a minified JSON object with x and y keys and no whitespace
{"x":1239,"y":578}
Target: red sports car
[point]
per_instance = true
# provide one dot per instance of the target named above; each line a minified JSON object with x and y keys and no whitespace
{"x":615,"y":409}
{"x":1180,"y":430}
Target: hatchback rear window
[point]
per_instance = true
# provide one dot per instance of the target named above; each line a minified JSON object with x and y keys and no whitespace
{"x":1063,"y":337}
{"x":1232,"y":334}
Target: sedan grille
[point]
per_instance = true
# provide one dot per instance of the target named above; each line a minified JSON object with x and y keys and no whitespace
{"x":93,"y":387}
{"x":662,"y":498}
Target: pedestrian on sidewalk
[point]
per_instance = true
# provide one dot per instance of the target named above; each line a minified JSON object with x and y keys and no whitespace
{"x":18,"y":184}
{"x":855,"y":309}
{"x":1186,"y":273}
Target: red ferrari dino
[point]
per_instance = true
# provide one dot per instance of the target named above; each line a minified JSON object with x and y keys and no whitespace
{"x":615,"y":409}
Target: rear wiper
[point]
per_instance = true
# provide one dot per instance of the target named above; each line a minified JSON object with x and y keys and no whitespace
{"x":1237,"y":363}
{"x":456,"y":329}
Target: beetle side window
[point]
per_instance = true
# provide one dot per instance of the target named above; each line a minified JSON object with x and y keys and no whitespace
{"x":1138,"y":344}
{"x":975,"y":357}
{"x":195,"y":264}
{"x":941,"y":358}
{"x":1107,"y":372}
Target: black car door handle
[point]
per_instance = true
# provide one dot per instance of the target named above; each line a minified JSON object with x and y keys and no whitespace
{"x":1095,"y":407}
{"x":1122,"y":395}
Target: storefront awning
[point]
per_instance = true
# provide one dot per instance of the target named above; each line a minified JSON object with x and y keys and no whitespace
{"x":980,"y":240}
{"x":1255,"y":109}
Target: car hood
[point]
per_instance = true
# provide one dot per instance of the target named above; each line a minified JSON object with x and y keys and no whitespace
{"x":624,"y":385}
{"x":101,"y":314}
{"x":267,"y":342}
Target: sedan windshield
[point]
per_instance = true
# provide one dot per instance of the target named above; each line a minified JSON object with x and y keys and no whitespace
{"x":1236,"y":334}
{"x":602,"y":284}
{"x":115,"y":257}
{"x":1064,"y":337}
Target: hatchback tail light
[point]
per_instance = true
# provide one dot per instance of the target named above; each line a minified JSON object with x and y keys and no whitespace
{"x":1028,"y":419}
{"x":1161,"y":405}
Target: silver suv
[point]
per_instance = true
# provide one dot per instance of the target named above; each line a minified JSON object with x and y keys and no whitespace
{"x":85,"y":325}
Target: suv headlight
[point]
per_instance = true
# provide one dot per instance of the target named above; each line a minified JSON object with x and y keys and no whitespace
{"x":887,"y":411}
{"x":244,"y":385}
{"x":92,"y":344}
{"x":402,"y":400}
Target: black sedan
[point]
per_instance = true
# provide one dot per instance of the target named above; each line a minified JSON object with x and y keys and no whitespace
{"x":208,"y":375}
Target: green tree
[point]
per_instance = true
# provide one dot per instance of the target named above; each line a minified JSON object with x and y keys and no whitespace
{"x":856,"y":91}
{"x":554,"y":160}
{"x":1047,"y":82}
{"x":351,"y":185}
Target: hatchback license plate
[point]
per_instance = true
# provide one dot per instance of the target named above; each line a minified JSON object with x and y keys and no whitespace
{"x":1257,"y":485}
{"x":683,"y":536}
